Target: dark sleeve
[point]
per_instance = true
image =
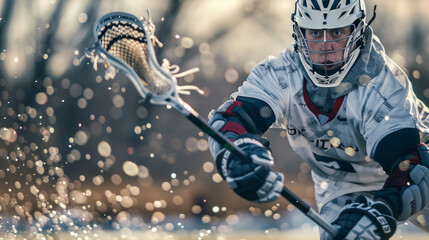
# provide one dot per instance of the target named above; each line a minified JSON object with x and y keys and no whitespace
{"x":395,"y":145}
{"x":259,"y":111}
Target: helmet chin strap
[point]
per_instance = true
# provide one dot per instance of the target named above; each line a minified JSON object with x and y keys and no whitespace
{"x":325,"y":72}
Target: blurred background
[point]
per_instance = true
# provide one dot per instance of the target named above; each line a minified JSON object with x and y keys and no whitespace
{"x":79,"y":153}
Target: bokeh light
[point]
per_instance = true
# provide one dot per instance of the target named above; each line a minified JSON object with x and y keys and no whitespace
{"x":79,"y":153}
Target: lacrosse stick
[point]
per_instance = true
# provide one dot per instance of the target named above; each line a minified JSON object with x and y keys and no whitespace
{"x":126,"y":43}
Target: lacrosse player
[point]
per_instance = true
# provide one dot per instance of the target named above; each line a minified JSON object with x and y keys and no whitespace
{"x":350,"y":113}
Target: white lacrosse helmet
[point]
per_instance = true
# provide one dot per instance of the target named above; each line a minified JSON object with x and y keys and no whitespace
{"x":325,"y":15}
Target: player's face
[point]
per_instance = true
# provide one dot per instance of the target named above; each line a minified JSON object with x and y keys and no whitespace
{"x":327,"y":46}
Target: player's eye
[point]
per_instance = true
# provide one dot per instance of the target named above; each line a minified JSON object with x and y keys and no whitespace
{"x":337,"y":33}
{"x":315,"y":33}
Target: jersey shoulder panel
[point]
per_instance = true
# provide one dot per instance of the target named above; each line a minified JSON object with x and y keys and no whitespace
{"x":278,"y":68}
{"x":270,"y":81}
{"x":384,"y":105}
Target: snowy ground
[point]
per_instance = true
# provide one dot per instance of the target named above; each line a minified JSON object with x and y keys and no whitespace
{"x":248,"y":228}
{"x":199,"y":235}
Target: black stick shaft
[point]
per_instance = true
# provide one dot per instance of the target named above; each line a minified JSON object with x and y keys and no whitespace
{"x":221,"y":139}
{"x":286,"y":193}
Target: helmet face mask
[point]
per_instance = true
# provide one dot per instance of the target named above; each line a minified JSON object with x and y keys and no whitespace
{"x":328,"y":47}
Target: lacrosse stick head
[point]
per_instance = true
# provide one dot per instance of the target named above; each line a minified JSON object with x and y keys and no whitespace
{"x":126,"y":43}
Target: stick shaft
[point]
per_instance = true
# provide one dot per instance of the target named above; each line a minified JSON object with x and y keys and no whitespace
{"x":221,"y":139}
{"x":286,"y":193}
{"x":307,"y":210}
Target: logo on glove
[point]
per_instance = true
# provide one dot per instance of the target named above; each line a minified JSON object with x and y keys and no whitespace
{"x":375,"y":213}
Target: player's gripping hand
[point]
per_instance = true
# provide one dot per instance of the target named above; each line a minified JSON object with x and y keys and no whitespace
{"x":364,"y":219}
{"x":415,"y":196}
{"x":254,"y":181}
{"x":407,"y":188}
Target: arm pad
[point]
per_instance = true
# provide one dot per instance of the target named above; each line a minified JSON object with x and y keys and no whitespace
{"x":235,"y":118}
{"x":393,"y":146}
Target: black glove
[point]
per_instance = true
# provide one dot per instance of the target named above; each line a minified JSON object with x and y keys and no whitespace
{"x":364,"y":219}
{"x":253,"y":181}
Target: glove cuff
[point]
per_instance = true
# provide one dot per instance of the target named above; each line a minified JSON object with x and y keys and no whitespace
{"x":247,"y":138}
{"x":392,"y":198}
{"x":377,"y":212}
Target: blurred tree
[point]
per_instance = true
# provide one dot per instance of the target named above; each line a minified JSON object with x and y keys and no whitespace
{"x":6,"y":16}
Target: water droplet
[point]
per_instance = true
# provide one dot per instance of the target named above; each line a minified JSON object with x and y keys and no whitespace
{"x":232,"y":219}
{"x":215,"y":209}
{"x":81,"y":138}
{"x":130,"y":168}
{"x":419,"y":59}
{"x":118,"y":101}
{"x":324,"y":185}
{"x":104,"y":149}
{"x":231,"y":75}
{"x":41,"y":98}
{"x":268,"y":213}
{"x":335,"y":142}
{"x":8,"y":134}
{"x":196,"y":209}
{"x":82,"y":17}
{"x":166,"y":186}
{"x":350,"y":151}
{"x":426,"y":93}
{"x":187,"y":42}
{"x":217,"y":178}
{"x":116,"y":179}
{"x":416,"y":74}
{"x":208,"y":167}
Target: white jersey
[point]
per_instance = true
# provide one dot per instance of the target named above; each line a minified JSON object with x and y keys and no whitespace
{"x":338,"y":146}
